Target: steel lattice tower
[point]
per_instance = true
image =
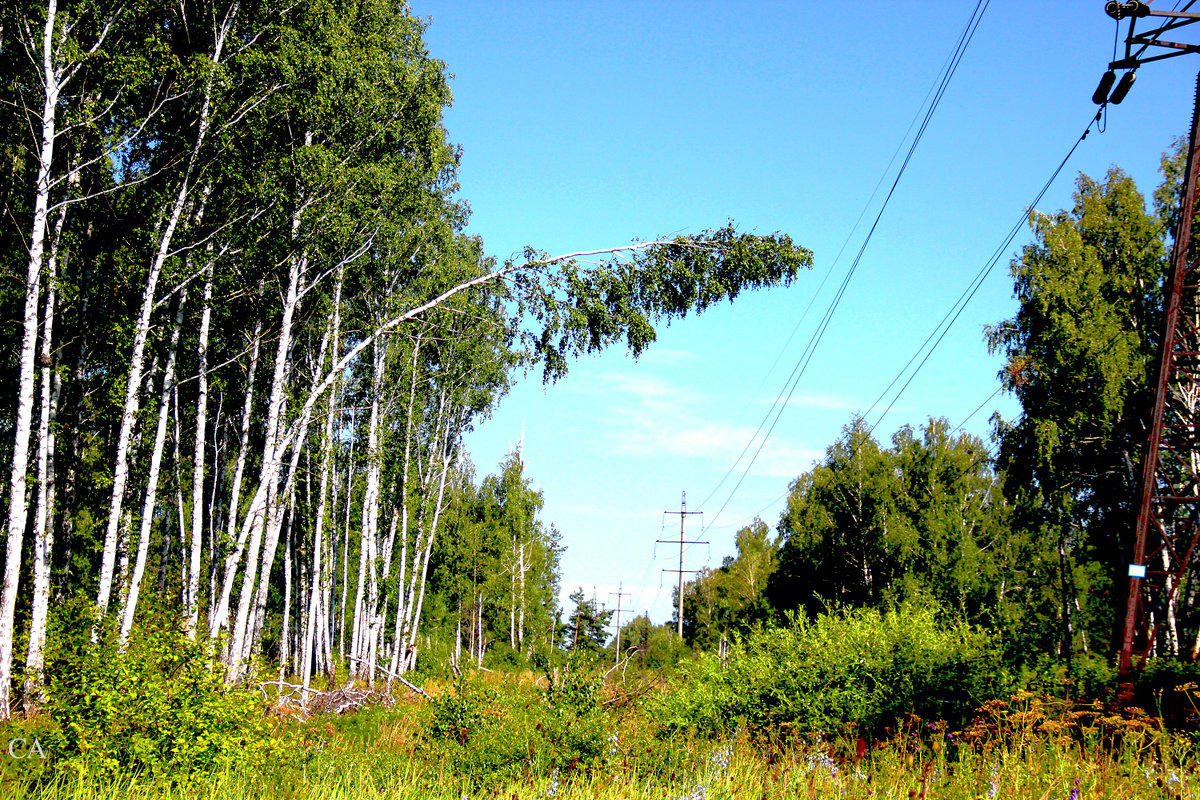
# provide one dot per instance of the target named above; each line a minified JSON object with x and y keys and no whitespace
{"x":1168,"y":520}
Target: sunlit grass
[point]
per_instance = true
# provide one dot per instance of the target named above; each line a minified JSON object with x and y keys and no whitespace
{"x":1028,"y":747}
{"x":393,"y":765}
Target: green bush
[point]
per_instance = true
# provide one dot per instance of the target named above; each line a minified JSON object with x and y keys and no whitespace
{"x":863,"y":669}
{"x":457,"y":715}
{"x":154,"y":705}
{"x":491,"y":733}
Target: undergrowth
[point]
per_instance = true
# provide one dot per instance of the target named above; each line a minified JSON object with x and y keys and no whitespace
{"x":856,"y":705}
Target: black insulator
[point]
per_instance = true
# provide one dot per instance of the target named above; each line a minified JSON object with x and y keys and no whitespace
{"x":1132,"y":8}
{"x":1123,"y":87}
{"x":1101,"y":94}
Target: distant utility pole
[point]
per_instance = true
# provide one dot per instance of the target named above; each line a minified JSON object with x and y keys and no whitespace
{"x":619,"y":595}
{"x":683,"y":515}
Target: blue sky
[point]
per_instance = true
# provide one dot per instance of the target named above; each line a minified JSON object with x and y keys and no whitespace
{"x":586,"y":125}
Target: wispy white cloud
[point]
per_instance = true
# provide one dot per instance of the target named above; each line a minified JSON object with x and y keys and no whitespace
{"x":649,"y":417}
{"x":669,"y":357}
{"x":829,"y":401}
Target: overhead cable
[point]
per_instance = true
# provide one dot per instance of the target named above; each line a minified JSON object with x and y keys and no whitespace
{"x":955,"y":311}
{"x":802,"y":363}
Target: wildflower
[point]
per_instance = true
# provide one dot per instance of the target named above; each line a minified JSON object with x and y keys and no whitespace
{"x":552,"y":789}
{"x":612,"y":744}
{"x":822,"y":761}
{"x":1075,"y":791}
{"x":719,"y":760}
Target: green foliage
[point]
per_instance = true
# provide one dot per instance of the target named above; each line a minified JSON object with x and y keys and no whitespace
{"x":584,"y":310}
{"x":577,"y":692}
{"x":489,"y":733}
{"x":586,"y":625}
{"x":496,"y":553}
{"x":1078,"y":356}
{"x":923,"y":519}
{"x":860,"y":669}
{"x":457,"y":714}
{"x":1084,"y":677}
{"x":732,"y":597}
{"x":154,"y":705}
{"x":657,"y":646}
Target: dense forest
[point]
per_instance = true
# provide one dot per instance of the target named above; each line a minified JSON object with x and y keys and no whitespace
{"x":243,"y":334}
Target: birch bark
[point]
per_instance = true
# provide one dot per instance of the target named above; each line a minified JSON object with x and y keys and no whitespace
{"x":160,"y":436}
{"x":43,"y":530}
{"x":52,"y":79}
{"x":142,"y":329}
{"x":191,"y":600}
{"x":219,"y":620}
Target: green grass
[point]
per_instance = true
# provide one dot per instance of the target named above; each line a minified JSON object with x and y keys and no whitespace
{"x":520,"y":747}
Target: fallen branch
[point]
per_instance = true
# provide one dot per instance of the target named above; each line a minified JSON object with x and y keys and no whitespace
{"x":282,"y":700}
{"x":394,"y":676}
{"x":624,"y":661}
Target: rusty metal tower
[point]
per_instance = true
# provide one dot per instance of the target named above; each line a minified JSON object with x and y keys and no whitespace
{"x":1168,"y":520}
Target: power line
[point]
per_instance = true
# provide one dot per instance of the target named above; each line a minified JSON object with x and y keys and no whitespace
{"x":824,"y":279}
{"x":959,"y":305}
{"x":789,"y":388}
{"x":978,"y":408}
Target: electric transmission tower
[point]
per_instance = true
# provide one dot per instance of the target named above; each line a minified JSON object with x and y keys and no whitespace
{"x":1168,"y":520}
{"x":683,"y":515}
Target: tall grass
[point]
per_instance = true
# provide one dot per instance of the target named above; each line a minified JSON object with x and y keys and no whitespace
{"x":1027,"y":748}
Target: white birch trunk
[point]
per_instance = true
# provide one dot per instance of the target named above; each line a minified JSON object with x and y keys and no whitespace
{"x":313,"y":621}
{"x":314,"y":617}
{"x":43,"y":529}
{"x":367,"y":592}
{"x":23,"y":421}
{"x":346,"y":550}
{"x":287,"y":589}
{"x":272,"y":457}
{"x":220,"y":618}
{"x":447,"y":449}
{"x":401,"y":605}
{"x":191,"y":600}
{"x":521,"y":599}
{"x":142,"y":330}
{"x":160,"y":436}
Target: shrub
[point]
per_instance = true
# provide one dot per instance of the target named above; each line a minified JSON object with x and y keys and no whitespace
{"x":492,"y":733}
{"x":154,"y":705}
{"x":861,"y":668}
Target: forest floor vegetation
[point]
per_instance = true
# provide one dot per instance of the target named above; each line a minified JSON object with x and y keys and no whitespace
{"x":809,"y":721}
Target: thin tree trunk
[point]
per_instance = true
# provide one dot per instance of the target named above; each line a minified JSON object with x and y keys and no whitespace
{"x":314,"y":605}
{"x":271,"y":541}
{"x":191,"y":598}
{"x":446,"y":460}
{"x":180,"y":514}
{"x":142,"y":329}
{"x":43,"y":531}
{"x":366,"y":592}
{"x":346,"y":550}
{"x":313,"y":621}
{"x":139,"y":567}
{"x":405,"y":513}
{"x":287,"y":588}
{"x":220,"y":619}
{"x":23,"y":420}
